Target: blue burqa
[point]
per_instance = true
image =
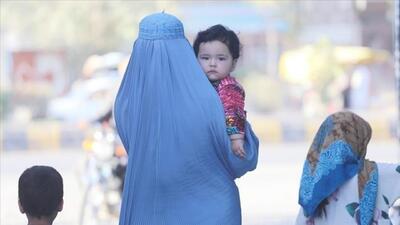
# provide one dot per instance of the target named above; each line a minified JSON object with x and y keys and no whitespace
{"x":181,"y":169}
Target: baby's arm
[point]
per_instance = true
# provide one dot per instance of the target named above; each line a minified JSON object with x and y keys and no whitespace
{"x":232,"y":97}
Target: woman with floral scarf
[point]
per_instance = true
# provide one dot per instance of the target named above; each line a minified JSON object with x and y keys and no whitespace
{"x":338,"y":185}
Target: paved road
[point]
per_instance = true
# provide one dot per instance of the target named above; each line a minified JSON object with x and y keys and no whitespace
{"x":268,"y":194}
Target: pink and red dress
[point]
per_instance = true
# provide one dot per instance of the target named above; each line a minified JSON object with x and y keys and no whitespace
{"x":232,"y":97}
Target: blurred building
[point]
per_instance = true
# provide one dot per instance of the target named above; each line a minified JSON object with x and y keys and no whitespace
{"x":359,"y":22}
{"x":260,"y":28}
{"x":36,"y":76}
{"x":376,"y":21}
{"x":333,"y":20}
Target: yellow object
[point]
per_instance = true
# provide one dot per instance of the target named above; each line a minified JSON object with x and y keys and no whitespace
{"x":296,"y":65}
{"x":87,"y":145}
{"x":267,"y":129}
{"x":44,"y":135}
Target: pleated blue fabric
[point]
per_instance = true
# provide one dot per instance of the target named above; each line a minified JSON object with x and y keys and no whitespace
{"x":181,"y":169}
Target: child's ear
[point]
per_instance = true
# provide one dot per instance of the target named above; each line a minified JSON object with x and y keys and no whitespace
{"x":21,"y":209}
{"x":233,"y":65}
{"x":61,"y":205}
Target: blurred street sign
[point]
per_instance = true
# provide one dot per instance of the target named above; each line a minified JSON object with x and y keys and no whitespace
{"x":38,"y":72}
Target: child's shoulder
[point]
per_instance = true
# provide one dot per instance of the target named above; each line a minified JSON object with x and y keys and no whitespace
{"x":230,"y":85}
{"x":230,"y":81}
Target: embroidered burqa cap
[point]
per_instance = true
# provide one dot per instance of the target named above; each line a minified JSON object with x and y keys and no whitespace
{"x":181,"y":169}
{"x":336,"y":155}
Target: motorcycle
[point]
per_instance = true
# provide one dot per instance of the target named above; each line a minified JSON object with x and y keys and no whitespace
{"x":104,"y":173}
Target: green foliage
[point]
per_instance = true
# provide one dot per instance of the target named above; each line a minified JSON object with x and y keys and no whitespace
{"x":3,"y":104}
{"x":325,"y":69}
{"x":99,"y":25}
{"x":79,"y":28}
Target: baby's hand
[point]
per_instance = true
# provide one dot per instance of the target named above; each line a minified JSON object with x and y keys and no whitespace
{"x":237,"y":147}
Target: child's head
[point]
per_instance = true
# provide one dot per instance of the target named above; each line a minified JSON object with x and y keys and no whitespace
{"x":217,"y":50}
{"x":40,"y":192}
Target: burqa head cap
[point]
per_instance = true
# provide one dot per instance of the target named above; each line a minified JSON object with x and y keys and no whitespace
{"x":160,"y":26}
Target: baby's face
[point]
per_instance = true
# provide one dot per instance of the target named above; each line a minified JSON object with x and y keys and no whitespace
{"x":216,"y":60}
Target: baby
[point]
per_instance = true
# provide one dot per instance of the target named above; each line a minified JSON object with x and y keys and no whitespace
{"x":217,"y":50}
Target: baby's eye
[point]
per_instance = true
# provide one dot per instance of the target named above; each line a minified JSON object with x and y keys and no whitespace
{"x":204,"y":57}
{"x":221,"y":58}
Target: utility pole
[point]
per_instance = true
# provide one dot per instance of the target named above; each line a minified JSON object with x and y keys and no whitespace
{"x":397,"y":60}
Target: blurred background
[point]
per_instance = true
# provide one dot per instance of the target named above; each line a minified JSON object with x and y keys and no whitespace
{"x":62,"y":62}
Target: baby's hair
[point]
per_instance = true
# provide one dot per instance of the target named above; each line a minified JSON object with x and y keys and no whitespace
{"x":40,"y":191}
{"x":222,"y":34}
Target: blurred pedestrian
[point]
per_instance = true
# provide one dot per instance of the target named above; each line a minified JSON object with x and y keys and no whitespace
{"x":346,"y":93}
{"x":338,"y":185}
{"x":40,"y":193}
{"x":181,"y":169}
{"x":360,"y":91}
{"x":217,"y":49}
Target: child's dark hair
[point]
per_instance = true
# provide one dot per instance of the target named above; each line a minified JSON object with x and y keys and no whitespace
{"x":40,"y":191}
{"x":219,"y":33}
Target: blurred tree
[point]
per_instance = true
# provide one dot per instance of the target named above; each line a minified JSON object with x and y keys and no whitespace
{"x":324,"y":68}
{"x":81,"y":28}
{"x":101,"y":25}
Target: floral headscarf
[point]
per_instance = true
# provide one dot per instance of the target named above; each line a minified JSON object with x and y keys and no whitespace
{"x":336,"y":155}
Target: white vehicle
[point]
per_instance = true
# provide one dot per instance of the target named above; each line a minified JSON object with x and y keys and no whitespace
{"x":87,"y":100}
{"x":93,"y":94}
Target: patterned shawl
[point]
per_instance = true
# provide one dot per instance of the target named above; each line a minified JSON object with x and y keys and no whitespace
{"x":336,"y":155}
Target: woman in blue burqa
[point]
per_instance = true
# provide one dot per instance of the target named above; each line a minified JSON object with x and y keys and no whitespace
{"x":181,"y":169}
